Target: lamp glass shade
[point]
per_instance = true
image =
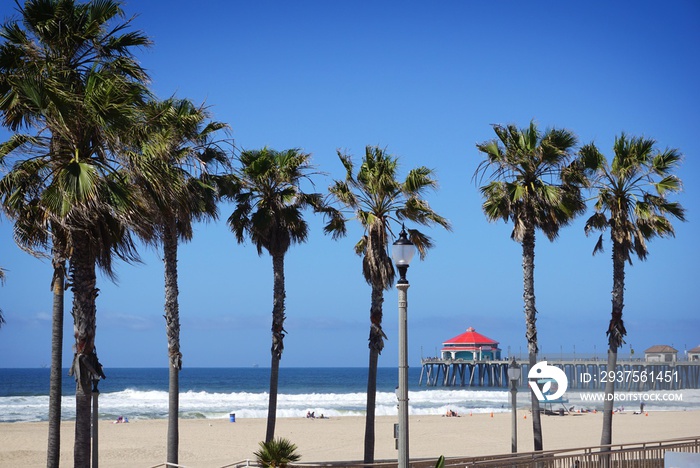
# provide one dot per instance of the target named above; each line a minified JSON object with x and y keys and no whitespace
{"x":402,"y":253}
{"x":514,"y":372}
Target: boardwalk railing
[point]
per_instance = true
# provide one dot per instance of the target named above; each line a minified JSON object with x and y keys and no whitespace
{"x":634,"y":455}
{"x":238,"y":464}
{"x":638,"y":455}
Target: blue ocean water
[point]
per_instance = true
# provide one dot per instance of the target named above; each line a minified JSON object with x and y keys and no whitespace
{"x":213,"y":393}
{"x":34,"y":382}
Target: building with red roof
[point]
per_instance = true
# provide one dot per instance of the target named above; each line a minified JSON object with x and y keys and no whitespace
{"x":661,"y":353}
{"x":694,"y":354}
{"x":471,"y":346}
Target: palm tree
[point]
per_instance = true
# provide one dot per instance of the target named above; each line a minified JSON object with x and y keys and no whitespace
{"x":277,"y":453}
{"x":172,"y":171}
{"x":67,"y":70}
{"x":34,"y":233}
{"x":631,"y":200}
{"x":376,"y":198}
{"x":269,"y":210}
{"x":532,"y":186}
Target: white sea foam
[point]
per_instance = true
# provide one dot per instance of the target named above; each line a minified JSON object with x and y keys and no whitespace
{"x":154,"y":404}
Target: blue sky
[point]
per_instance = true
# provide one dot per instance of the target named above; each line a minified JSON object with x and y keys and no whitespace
{"x":425,"y":80}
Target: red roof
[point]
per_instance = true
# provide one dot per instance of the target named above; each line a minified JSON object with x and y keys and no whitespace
{"x":471,"y":337}
{"x":661,"y":349}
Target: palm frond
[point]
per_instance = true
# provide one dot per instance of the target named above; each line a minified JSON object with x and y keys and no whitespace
{"x":598,"y":245}
{"x":418,"y":180}
{"x":664,"y":162}
{"x":670,"y":183}
{"x":422,"y":242}
{"x":361,"y":246}
{"x":597,"y":222}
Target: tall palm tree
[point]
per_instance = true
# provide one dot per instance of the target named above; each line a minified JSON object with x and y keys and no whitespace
{"x":20,"y":192}
{"x":68,"y":71}
{"x":376,"y":198}
{"x":2,"y":270}
{"x":173,"y":171}
{"x":93,"y":233}
{"x":269,"y":211}
{"x":34,"y":233}
{"x":631,"y":200}
{"x":533,"y":186}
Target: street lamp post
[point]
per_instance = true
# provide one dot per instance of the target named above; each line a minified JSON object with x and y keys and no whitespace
{"x":402,"y":253}
{"x":514,"y":376}
{"x":95,"y":421}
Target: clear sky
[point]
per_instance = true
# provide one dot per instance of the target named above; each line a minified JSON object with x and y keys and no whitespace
{"x":425,"y":80}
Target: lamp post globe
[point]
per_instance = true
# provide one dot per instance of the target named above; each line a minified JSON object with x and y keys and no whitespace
{"x":402,"y":252}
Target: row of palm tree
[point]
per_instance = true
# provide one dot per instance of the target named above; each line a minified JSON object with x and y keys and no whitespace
{"x":107,"y":163}
{"x":538,"y":182}
{"x":106,"y":157}
{"x":70,"y":76}
{"x":98,"y":162}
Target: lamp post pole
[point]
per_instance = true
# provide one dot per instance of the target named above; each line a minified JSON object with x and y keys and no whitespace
{"x":403,"y":375}
{"x":95,"y":421}
{"x":514,"y":375}
{"x":402,"y":252}
{"x":514,"y":418}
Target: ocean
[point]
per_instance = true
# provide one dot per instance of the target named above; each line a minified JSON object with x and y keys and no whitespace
{"x":213,"y":393}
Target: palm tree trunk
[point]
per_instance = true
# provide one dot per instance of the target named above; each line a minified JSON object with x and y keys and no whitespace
{"x":278,"y":333}
{"x":53,"y":454}
{"x":85,"y":364}
{"x":616,"y":332}
{"x":376,"y":345}
{"x":371,"y":405}
{"x":608,"y":404}
{"x":530,"y":324}
{"x":83,"y":427}
{"x":172,"y":330}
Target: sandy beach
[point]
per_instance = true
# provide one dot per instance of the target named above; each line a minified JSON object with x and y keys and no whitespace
{"x":214,"y":443}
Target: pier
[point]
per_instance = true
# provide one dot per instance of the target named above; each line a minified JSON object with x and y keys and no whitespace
{"x":583,"y":374}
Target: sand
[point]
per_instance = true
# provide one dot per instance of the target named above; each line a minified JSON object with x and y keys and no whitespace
{"x":215,"y":443}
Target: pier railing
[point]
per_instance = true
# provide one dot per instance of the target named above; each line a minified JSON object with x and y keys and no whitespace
{"x":635,"y":374}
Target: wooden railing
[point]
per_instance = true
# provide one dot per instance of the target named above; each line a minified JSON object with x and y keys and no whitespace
{"x":637,"y":455}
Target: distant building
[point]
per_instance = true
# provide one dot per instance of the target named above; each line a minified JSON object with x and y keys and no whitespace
{"x":471,"y":346}
{"x":694,"y":354}
{"x":661,"y":353}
